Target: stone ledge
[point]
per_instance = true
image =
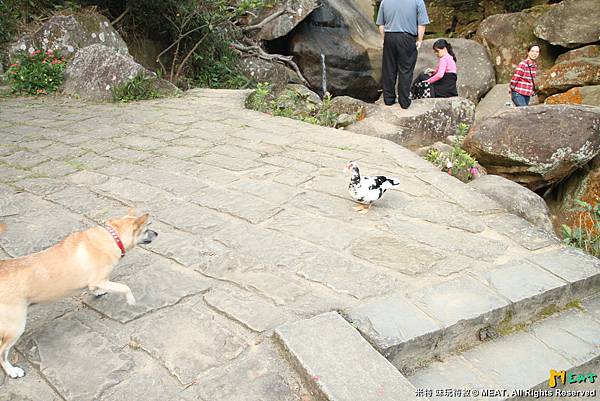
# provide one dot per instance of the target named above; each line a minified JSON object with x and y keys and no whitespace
{"x":338,"y":364}
{"x":459,"y":314}
{"x":567,"y":341}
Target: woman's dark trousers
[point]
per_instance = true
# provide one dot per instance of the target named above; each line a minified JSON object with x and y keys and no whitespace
{"x":399,"y":59}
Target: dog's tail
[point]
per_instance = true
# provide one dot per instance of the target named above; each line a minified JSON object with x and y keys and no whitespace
{"x":2,"y":228}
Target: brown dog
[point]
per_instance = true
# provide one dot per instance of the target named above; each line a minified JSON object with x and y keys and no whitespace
{"x":82,"y":260}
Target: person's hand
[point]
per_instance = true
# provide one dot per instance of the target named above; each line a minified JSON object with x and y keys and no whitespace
{"x":418,"y":44}
{"x":429,"y":70}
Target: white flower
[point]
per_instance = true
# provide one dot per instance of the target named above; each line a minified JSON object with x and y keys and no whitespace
{"x":449,"y":164}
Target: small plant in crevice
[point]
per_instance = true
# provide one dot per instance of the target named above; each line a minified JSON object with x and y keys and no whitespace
{"x":36,"y":73}
{"x":585,"y":234}
{"x":260,"y":99}
{"x":457,"y":163}
{"x":140,"y":87}
{"x":292,"y":104}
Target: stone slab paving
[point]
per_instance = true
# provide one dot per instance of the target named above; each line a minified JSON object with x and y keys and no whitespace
{"x":256,"y":230}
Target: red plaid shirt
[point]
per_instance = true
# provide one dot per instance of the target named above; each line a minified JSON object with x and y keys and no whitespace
{"x":522,"y":80}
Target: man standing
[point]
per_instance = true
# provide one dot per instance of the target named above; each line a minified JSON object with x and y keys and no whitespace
{"x":402,"y":26}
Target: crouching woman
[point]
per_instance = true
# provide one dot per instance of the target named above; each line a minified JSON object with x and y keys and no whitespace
{"x":443,"y":78}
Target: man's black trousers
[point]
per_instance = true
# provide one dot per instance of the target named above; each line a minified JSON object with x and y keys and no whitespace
{"x":399,"y":59}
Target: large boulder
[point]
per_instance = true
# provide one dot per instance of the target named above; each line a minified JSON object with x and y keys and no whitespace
{"x":578,"y":95}
{"x":69,"y":33}
{"x":584,"y":184}
{"x":496,"y":100}
{"x":97,"y":69}
{"x":474,"y":69}
{"x":349,"y":105}
{"x":425,"y":122}
{"x":578,"y":67}
{"x":516,"y":199}
{"x":290,"y":14}
{"x":507,"y":37}
{"x":344,"y":33}
{"x":537,"y":145}
{"x":571,"y":23}
{"x":259,"y":70}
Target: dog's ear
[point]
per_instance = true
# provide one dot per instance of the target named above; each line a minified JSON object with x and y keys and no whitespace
{"x":140,"y":221}
{"x":131,"y":212}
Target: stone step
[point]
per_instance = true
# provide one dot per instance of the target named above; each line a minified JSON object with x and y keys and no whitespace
{"x":458,"y":314}
{"x":496,"y":370}
{"x":338,"y":364}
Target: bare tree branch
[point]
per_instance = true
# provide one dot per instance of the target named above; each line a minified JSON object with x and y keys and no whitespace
{"x":120,"y":17}
{"x":185,"y":59}
{"x":175,"y":55}
{"x":266,"y":20}
{"x":260,"y":53}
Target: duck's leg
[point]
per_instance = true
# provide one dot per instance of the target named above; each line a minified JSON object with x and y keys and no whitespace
{"x":358,"y":207}
{"x":366,"y":209}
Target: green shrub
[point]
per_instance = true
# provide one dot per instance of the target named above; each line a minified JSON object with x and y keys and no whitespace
{"x":196,"y":35}
{"x":514,"y":6}
{"x":458,"y":163}
{"x":292,"y":104}
{"x":217,"y":72}
{"x":260,"y":99}
{"x":586,"y":233}
{"x":8,"y":23}
{"x":38,"y":73}
{"x":140,"y":87}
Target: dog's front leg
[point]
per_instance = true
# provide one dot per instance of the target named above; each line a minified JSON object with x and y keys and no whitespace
{"x":110,"y":286}
{"x":97,"y":291}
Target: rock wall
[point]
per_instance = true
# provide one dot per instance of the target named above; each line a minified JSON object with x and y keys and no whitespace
{"x":344,"y":33}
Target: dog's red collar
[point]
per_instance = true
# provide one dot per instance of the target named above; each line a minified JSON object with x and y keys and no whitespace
{"x":113,"y":233}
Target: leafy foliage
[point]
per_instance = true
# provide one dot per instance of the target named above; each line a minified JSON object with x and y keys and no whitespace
{"x":517,"y":5}
{"x":38,"y":73}
{"x":458,"y":162}
{"x":15,"y":13}
{"x":197,"y":37}
{"x":586,"y":233}
{"x":140,"y":87}
{"x":292,"y":104}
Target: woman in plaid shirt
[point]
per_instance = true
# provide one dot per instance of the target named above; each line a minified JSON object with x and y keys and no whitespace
{"x":522,"y":85}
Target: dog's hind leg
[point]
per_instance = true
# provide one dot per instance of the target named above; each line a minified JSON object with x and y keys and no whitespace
{"x":12,"y":325}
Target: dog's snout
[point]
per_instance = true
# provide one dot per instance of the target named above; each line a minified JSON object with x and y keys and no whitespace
{"x":149,"y":236}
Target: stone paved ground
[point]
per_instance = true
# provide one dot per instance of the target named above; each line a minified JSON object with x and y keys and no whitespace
{"x":256,"y":230}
